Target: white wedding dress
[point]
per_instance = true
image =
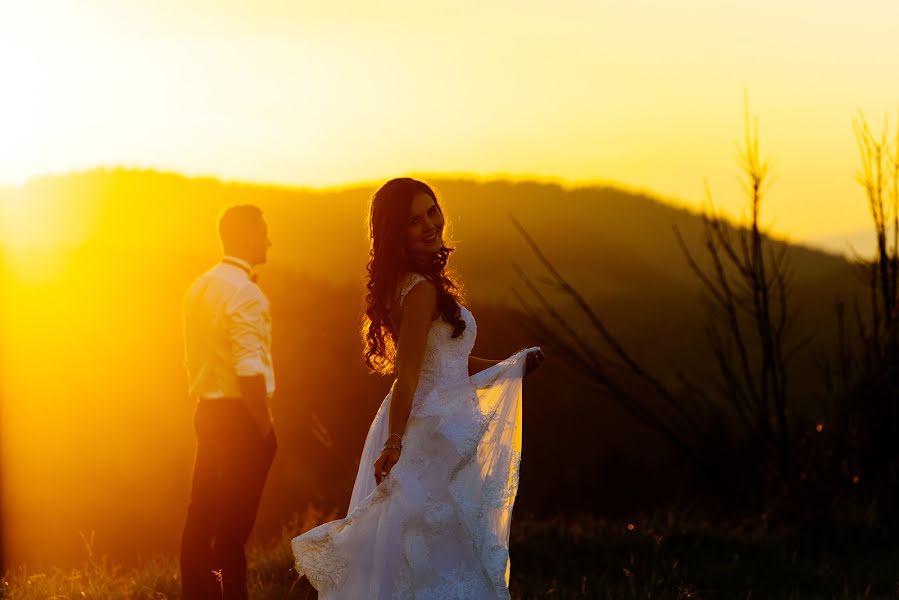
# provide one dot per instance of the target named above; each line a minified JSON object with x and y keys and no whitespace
{"x":438,"y":526}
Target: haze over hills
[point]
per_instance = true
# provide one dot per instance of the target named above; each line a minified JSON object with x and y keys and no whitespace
{"x":95,"y":389}
{"x":860,"y":242}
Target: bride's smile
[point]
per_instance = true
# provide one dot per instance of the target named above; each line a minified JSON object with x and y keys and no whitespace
{"x":425,"y":232}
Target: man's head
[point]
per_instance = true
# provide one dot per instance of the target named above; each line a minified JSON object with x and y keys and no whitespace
{"x":244,"y":233}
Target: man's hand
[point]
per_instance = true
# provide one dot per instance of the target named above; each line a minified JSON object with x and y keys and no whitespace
{"x":385,"y":463}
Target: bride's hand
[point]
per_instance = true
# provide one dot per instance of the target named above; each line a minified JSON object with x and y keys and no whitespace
{"x":533,"y":360}
{"x":385,"y":463}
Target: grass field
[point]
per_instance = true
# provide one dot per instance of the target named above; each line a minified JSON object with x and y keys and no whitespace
{"x":660,"y":558}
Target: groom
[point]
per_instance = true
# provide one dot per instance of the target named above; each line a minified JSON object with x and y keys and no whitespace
{"x":227,"y":339}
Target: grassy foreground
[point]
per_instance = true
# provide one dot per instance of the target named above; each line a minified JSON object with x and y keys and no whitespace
{"x":662,"y":558}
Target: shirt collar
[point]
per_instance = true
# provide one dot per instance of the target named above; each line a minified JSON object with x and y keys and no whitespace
{"x":239,"y":263}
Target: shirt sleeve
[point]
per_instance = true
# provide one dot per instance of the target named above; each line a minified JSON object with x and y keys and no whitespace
{"x":248,"y":331}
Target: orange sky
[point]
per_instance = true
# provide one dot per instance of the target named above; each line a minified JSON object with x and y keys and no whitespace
{"x":646,"y":93}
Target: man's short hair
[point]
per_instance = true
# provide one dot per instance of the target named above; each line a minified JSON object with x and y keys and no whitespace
{"x":238,"y":222}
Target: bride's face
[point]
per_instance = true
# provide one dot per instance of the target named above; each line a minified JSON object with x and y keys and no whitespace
{"x":424,"y":234}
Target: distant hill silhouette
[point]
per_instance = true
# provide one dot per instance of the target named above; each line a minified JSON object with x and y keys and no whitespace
{"x":96,"y":402}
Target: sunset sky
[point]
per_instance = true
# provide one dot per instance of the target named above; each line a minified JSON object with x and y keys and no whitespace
{"x":645,"y":93}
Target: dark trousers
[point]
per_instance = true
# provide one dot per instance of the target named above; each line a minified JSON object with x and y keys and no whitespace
{"x":231,"y":465}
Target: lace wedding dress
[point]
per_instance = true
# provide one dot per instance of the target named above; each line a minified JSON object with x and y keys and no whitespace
{"x":438,"y":526}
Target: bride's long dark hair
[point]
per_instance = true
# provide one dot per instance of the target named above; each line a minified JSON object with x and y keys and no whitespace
{"x":389,"y":260}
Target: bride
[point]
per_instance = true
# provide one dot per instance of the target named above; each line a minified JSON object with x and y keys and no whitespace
{"x":432,"y":503}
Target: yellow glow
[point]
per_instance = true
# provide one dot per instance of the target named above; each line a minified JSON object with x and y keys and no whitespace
{"x":39,"y":233}
{"x":31,"y":254}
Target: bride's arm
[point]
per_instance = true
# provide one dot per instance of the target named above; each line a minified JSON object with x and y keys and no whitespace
{"x":476,"y":365}
{"x":417,"y":312}
{"x":415,"y":321}
{"x":533,"y":360}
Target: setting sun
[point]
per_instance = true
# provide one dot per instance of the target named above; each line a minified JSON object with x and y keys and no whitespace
{"x":26,"y":104}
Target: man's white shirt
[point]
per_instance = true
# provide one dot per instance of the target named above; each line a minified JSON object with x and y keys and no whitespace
{"x":227,"y":331}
